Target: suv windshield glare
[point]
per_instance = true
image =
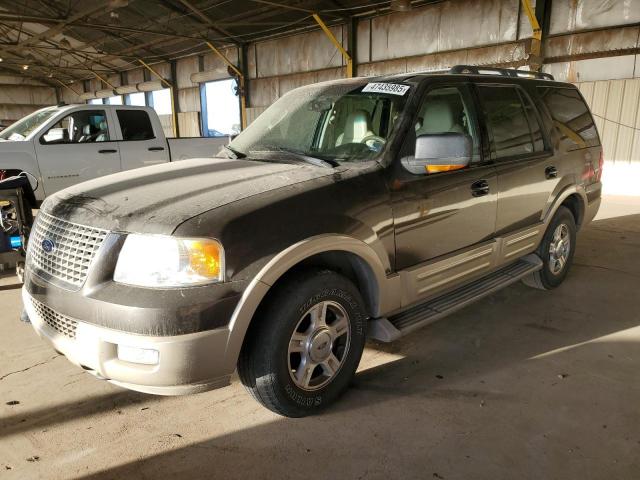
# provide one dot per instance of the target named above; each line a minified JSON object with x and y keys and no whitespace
{"x":331,"y":122}
{"x":23,"y":128}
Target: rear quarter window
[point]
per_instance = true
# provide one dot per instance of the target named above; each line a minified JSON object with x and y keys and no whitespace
{"x":571,"y":117}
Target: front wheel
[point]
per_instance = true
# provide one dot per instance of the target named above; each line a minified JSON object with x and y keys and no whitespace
{"x":306,"y":344}
{"x":556,"y":251}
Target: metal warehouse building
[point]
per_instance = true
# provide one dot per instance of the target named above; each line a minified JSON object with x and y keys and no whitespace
{"x":200,"y":198}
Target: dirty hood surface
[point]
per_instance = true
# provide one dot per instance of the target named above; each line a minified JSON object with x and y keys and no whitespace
{"x":157,"y":199}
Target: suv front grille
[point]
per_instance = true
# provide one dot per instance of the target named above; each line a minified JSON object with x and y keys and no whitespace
{"x":72,"y":247}
{"x":60,"y":323}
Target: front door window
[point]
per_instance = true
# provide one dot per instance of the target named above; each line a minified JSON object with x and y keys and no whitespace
{"x":447,"y":110}
{"x":82,"y":126}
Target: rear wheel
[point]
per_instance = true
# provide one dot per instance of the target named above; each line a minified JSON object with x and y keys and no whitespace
{"x":556,"y":251}
{"x":306,"y":346}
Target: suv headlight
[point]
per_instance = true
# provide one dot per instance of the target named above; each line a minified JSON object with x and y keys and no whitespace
{"x":165,"y":261}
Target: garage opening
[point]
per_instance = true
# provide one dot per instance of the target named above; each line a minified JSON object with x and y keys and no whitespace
{"x":136,"y":99}
{"x":161,"y":101}
{"x":220,"y":108}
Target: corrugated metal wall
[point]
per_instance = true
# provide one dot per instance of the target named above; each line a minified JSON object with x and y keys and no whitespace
{"x":615,"y":105}
{"x":432,"y":37}
{"x":441,"y":35}
{"x":20,"y":96}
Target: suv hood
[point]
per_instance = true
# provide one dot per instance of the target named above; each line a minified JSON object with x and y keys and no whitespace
{"x":157,"y":199}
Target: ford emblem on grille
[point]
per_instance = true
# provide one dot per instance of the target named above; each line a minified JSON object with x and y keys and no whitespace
{"x":48,"y":246}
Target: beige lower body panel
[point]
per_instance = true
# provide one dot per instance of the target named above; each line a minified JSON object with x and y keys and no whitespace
{"x":518,"y":244}
{"x":437,"y":276}
{"x":187,"y":364}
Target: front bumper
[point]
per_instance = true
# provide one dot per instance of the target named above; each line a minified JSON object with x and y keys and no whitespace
{"x":187,"y":363}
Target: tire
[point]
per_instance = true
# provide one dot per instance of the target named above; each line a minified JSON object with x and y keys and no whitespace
{"x":273,"y":364}
{"x":552,"y":273}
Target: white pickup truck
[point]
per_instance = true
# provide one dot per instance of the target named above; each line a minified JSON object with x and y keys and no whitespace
{"x":68,"y":144}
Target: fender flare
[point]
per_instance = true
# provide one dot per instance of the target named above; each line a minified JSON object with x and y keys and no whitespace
{"x":561,"y":197}
{"x":282,"y":263}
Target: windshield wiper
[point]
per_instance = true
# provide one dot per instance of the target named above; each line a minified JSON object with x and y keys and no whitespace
{"x":318,"y":162}
{"x":233,"y":154}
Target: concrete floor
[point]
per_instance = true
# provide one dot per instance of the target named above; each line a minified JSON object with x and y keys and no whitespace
{"x":525,"y":384}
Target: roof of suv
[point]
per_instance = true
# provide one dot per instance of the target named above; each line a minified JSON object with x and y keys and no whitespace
{"x":476,"y":72}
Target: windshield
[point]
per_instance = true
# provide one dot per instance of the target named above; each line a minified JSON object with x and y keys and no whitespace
{"x":22,"y":128}
{"x":337,"y":122}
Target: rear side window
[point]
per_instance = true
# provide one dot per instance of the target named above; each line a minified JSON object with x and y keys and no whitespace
{"x":534,"y":124}
{"x":571,"y":117}
{"x":135,"y":125}
{"x":513,"y":124}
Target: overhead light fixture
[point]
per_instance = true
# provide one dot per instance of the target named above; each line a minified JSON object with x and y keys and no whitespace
{"x":401,"y":5}
{"x":1,"y":59}
{"x":25,"y":67}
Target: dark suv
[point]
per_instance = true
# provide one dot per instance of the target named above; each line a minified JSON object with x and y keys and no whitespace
{"x":349,"y":208}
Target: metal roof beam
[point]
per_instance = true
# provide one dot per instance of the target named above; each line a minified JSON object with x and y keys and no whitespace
{"x":207,"y":21}
{"x":59,"y":28}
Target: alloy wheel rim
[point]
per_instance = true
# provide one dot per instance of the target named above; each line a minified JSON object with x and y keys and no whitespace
{"x":319,"y":345}
{"x":559,"y":249}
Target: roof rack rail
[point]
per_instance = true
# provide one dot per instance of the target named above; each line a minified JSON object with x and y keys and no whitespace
{"x":504,"y":72}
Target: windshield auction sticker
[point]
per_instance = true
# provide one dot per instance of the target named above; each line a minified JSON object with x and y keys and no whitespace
{"x":392,"y":88}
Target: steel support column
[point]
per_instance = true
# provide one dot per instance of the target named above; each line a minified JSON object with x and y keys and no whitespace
{"x":535,"y":50}
{"x":67,"y":87}
{"x":338,"y":45}
{"x":543,"y":13}
{"x":175,"y":101}
{"x":169,"y":85}
{"x":104,"y":80}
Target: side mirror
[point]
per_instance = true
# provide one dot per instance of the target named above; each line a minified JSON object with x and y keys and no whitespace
{"x":54,"y":135}
{"x":439,"y":152}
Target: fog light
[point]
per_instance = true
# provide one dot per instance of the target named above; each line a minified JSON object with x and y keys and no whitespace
{"x":145,"y":356}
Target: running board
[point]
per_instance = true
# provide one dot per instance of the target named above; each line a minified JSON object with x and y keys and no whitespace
{"x":389,"y":329}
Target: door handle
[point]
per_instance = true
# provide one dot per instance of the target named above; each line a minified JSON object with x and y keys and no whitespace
{"x":107,"y":151}
{"x":480,"y":188}
{"x":551,"y":172}
{"x":156,"y":149}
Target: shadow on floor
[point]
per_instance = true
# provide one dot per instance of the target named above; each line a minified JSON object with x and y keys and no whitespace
{"x":13,"y":286}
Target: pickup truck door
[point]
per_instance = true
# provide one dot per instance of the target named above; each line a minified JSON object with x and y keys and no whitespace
{"x":443,"y":213}
{"x":527,"y":171}
{"x":141,"y":139}
{"x":76,"y":148}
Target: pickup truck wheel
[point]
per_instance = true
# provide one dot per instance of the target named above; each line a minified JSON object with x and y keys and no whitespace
{"x":556,"y":251}
{"x":304,"y":351}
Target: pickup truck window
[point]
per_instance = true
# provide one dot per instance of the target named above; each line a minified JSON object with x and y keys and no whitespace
{"x":23,"y":128}
{"x":509,"y":122}
{"x":341,"y":122}
{"x":82,"y":126}
{"x":571,"y":117}
{"x":135,"y":125}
